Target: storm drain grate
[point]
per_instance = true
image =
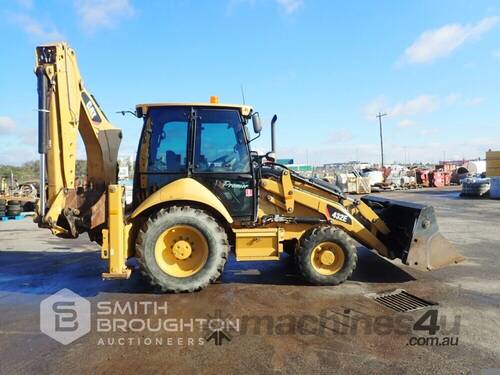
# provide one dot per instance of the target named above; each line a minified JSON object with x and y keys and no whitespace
{"x":400,"y":300}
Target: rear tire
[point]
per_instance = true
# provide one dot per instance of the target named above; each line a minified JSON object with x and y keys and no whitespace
{"x":326,"y":256}
{"x":173,"y":261}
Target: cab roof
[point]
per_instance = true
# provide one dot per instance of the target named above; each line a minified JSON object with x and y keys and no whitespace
{"x":245,"y":110}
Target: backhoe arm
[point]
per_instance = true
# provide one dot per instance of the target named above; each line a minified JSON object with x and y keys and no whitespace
{"x":67,"y":206}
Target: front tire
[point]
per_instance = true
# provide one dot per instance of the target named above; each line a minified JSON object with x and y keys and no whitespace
{"x":181,"y":249}
{"x":326,"y":256}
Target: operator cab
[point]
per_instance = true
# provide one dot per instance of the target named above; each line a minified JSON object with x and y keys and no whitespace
{"x":205,"y":141}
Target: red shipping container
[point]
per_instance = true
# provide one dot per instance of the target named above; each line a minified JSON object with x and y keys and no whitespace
{"x":423,"y":177}
{"x":440,"y":179}
{"x":447,"y":178}
{"x":437,"y":179}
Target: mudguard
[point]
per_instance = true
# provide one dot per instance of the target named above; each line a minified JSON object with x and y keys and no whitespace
{"x":184,"y":189}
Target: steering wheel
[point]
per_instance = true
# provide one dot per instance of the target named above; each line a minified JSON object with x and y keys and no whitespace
{"x":227,"y":161}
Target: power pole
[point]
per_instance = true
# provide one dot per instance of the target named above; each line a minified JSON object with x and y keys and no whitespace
{"x":380,"y":115}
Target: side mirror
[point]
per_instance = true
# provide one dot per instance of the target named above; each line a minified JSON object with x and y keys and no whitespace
{"x":257,"y":125}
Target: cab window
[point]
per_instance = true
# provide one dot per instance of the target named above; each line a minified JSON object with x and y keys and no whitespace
{"x":220,"y":144}
{"x":168,"y":144}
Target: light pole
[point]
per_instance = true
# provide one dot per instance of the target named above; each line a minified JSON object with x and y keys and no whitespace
{"x":380,"y":115}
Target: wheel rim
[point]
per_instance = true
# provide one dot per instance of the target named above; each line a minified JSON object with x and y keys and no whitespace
{"x":327,"y":258}
{"x":181,"y":251}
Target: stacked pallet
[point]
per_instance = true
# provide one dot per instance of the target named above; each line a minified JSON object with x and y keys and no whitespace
{"x":493,"y":163}
{"x":10,"y":210}
{"x":493,"y":171}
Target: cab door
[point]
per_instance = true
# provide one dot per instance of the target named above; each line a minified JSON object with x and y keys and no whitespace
{"x":162,"y":156}
{"x":221,"y":160}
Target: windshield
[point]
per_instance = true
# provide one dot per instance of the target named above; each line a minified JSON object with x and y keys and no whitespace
{"x":219,"y":141}
{"x":220,"y":144}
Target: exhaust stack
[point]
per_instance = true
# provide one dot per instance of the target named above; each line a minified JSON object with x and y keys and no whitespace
{"x":273,"y":136}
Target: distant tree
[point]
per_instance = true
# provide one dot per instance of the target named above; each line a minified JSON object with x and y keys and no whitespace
{"x":30,"y":170}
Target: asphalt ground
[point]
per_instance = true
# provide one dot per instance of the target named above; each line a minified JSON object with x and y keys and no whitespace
{"x":270,"y":321}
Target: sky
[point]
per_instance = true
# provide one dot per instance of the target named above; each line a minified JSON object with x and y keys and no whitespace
{"x":326,"y":68}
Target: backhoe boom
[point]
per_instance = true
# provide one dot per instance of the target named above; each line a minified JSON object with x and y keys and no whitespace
{"x":67,"y":206}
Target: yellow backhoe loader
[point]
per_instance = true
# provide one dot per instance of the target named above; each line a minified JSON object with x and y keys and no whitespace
{"x":199,"y":192}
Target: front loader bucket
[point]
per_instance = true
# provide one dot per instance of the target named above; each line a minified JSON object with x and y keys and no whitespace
{"x":414,"y":237}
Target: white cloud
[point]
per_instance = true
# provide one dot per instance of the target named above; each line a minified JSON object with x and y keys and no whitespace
{"x":420,"y":104}
{"x":438,"y":43}
{"x":341,"y":135}
{"x":290,"y":6}
{"x":452,"y":98}
{"x":417,"y":105}
{"x":456,"y":98}
{"x":7,"y":125}
{"x":496,"y":53}
{"x":97,"y":14}
{"x":18,"y":154}
{"x":473,"y":102}
{"x":428,"y":132}
{"x":27,"y":4}
{"x":406,"y":123}
{"x":36,"y":29}
{"x":425,"y":142}
{"x":426,"y":146}
{"x":27,"y":135}
{"x":379,"y":104}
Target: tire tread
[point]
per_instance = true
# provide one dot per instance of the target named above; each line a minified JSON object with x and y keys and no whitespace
{"x":214,"y":227}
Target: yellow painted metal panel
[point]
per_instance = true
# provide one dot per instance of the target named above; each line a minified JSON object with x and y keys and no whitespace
{"x":286,"y":181}
{"x":245,"y":110}
{"x":492,"y":172}
{"x":184,"y":189}
{"x":493,"y":163}
{"x":492,"y":155}
{"x":105,"y":244}
{"x":304,"y":197}
{"x":258,"y":244}
{"x":116,"y":235}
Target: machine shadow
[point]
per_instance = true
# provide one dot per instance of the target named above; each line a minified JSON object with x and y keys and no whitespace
{"x":39,"y":272}
{"x":452,"y":193}
{"x":44,"y":273}
{"x":375,"y":269}
{"x":371,"y":269}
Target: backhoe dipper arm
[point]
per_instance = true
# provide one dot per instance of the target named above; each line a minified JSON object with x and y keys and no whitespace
{"x":66,"y":107}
